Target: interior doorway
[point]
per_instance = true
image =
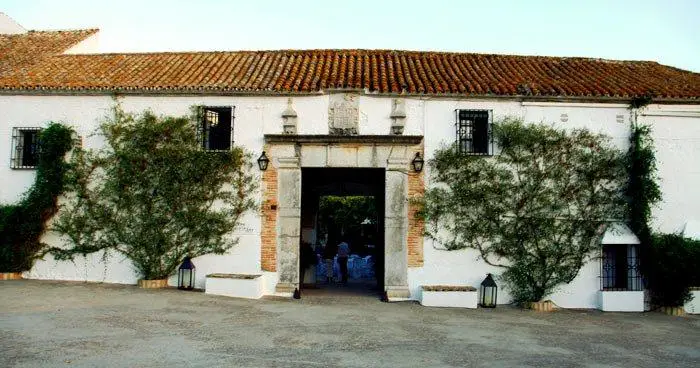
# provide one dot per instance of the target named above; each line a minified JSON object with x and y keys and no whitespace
{"x":342,"y":205}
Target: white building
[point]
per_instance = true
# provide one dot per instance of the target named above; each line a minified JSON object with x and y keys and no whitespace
{"x":359,"y":109}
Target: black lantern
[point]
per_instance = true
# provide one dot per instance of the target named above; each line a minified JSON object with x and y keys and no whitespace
{"x":185,"y":275}
{"x":263,"y":161}
{"x":417,"y":162}
{"x":489,"y":291}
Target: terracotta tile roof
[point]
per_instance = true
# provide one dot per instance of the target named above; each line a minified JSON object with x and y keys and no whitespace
{"x":376,"y":71}
{"x":19,"y":53}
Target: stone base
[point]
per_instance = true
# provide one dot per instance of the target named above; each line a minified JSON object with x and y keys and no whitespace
{"x":285,"y":289}
{"x":693,"y":306}
{"x":456,"y":297}
{"x":153,"y":284}
{"x":621,"y":301}
{"x":673,"y":311}
{"x":397,"y":293}
{"x":235,"y":285}
{"x":10,"y":275}
{"x":545,"y":306}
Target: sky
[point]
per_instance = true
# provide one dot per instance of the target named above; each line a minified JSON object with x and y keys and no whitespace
{"x":664,"y":31}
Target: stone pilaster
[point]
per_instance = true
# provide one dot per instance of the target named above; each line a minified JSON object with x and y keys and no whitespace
{"x":289,"y":223}
{"x":396,"y":259}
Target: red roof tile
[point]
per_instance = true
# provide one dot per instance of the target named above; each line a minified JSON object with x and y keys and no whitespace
{"x":20,"y":52}
{"x":313,"y":71}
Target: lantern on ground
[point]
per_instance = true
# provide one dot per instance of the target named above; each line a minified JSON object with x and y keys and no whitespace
{"x":185,"y":275}
{"x":263,"y":161}
{"x":489,"y":292}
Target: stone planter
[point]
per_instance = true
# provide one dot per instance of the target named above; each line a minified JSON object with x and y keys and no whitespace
{"x":693,"y":306}
{"x":545,"y":306}
{"x":10,"y":275}
{"x":235,"y":285}
{"x":449,"y":296}
{"x":153,"y":284}
{"x":672,"y":311}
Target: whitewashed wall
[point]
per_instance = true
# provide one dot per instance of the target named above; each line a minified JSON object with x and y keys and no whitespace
{"x":677,"y":135}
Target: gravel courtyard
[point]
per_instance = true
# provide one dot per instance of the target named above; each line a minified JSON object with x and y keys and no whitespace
{"x":68,"y":324}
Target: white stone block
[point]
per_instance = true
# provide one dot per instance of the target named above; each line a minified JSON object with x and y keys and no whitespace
{"x":454,"y":299}
{"x":693,"y":306}
{"x":235,"y":285}
{"x":622,"y":301}
{"x":340,"y":156}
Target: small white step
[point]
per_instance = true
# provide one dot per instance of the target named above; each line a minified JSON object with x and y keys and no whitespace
{"x":235,"y":285}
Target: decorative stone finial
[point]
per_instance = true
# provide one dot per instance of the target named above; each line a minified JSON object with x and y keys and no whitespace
{"x":289,"y":119}
{"x":398,"y":116}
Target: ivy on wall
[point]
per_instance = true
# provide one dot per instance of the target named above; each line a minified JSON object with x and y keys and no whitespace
{"x":22,"y":224}
{"x":642,"y":188}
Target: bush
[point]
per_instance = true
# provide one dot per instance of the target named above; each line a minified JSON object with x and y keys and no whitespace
{"x":673,"y":269}
{"x":153,"y":195}
{"x":22,"y":224}
{"x":535,"y":209}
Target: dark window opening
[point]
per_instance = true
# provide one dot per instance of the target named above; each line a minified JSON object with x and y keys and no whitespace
{"x":25,"y":148}
{"x":215,"y":129}
{"x":474,"y":132}
{"x":620,"y":268}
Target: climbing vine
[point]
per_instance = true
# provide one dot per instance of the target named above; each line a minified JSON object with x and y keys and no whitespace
{"x":642,"y":188}
{"x":535,"y":209}
{"x":22,"y":224}
{"x":153,"y":195}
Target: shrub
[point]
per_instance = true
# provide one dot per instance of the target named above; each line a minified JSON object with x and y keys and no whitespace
{"x":672,"y":269}
{"x":536,"y":209}
{"x":153,"y":195}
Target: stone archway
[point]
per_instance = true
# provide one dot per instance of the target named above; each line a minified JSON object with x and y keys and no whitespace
{"x":281,"y":218}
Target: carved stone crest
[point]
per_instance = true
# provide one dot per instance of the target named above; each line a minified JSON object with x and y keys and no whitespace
{"x":343,"y":114}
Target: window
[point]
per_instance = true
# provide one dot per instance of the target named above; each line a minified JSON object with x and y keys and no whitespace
{"x":474,"y":132}
{"x":25,"y":148}
{"x":620,"y":268}
{"x":214,"y":131}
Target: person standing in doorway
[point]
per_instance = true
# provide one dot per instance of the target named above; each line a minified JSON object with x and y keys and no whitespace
{"x":328,"y":255}
{"x":343,"y":254}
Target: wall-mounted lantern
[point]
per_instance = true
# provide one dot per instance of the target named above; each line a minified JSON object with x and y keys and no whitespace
{"x":398,"y":117}
{"x":289,"y":119}
{"x":185,"y":275}
{"x":417,"y":162}
{"x":489,"y":292}
{"x":263,"y":161}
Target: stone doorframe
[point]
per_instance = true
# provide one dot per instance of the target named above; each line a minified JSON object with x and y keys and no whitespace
{"x":281,"y":217}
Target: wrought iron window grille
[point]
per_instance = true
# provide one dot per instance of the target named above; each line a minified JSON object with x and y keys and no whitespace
{"x":619,"y":268}
{"x":215,"y":128}
{"x":25,"y":148}
{"x":474,"y":132}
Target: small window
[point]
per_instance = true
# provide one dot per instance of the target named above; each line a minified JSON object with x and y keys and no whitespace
{"x":25,"y":148}
{"x":620,"y":268}
{"x":215,"y":128}
{"x":474,"y":132}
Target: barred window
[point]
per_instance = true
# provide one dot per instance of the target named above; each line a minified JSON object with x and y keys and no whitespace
{"x":620,"y":268}
{"x":473,"y":129}
{"x":215,"y":128}
{"x":25,"y":148}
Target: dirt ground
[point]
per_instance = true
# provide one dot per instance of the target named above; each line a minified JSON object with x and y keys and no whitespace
{"x":68,"y":324}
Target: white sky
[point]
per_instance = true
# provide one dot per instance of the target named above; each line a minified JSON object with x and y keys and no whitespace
{"x":664,"y":31}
